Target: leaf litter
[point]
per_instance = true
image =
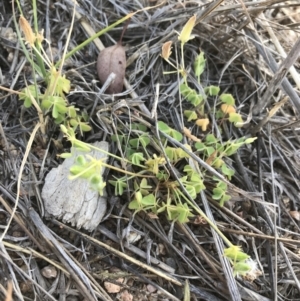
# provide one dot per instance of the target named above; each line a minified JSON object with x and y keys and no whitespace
{"x":269,"y":169}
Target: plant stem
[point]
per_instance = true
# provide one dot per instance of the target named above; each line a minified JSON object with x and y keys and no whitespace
{"x":225,"y":239}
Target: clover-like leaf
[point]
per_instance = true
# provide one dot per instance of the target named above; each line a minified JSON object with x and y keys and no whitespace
{"x":236,"y":119}
{"x":212,"y":90}
{"x":190,"y":115}
{"x":227,"y":98}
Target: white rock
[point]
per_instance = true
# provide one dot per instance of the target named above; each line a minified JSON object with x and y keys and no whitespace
{"x":74,"y":201}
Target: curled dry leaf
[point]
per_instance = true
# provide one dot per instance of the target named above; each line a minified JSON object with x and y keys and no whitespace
{"x":227,"y":109}
{"x":28,"y":33}
{"x":166,"y":50}
{"x":203,"y":123}
{"x":112,"y":60}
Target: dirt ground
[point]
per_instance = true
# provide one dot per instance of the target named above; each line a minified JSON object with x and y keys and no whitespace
{"x":252,"y":51}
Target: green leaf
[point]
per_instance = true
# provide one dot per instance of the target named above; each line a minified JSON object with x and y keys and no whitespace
{"x":65,"y":155}
{"x":210,"y":138}
{"x":190,"y":115}
{"x":217,"y":193}
{"x":180,"y":153}
{"x":129,"y":152}
{"x":72,"y":112}
{"x":142,"y":140}
{"x":222,"y":185}
{"x":55,"y":112}
{"x":144,"y":184}
{"x":81,"y":146}
{"x":144,"y":187}
{"x":162,"y":176}
{"x":138,"y":127}
{"x":62,"y":109}
{"x":181,"y":213}
{"x":116,"y":138}
{"x":200,"y":146}
{"x":191,"y":191}
{"x":137,"y":158}
{"x":184,"y":89}
{"x":75,"y":170}
{"x":199,"y":64}
{"x":241,"y":268}
{"x":148,"y":201}
{"x":47,"y":103}
{"x":95,"y":179}
{"x":212,"y":90}
{"x":218,"y":162}
{"x":210,"y":150}
{"x":227,"y":98}
{"x":80,"y":160}
{"x":189,"y":170}
{"x":171,"y":153}
{"x":219,"y":114}
{"x":227,"y":171}
{"x":27,"y":103}
{"x":235,"y":253}
{"x":84,"y":127}
{"x":163,"y":127}
{"x":232,"y":149}
{"x":250,"y":140}
{"x":59,"y":119}
{"x":224,"y":199}
{"x":191,"y":95}
{"x":119,"y":184}
{"x":29,"y":92}
{"x":136,"y":203}
{"x":73,"y":123}
{"x":236,"y":119}
{"x":63,"y":85}
{"x":176,"y":135}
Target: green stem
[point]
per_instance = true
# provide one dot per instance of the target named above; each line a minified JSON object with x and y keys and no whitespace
{"x":92,"y":38}
{"x":225,"y":239}
{"x":37,"y":51}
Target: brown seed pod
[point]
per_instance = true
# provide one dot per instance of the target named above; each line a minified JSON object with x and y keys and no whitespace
{"x":112,"y":60}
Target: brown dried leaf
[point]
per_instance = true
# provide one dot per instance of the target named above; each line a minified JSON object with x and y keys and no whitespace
{"x":203,"y":123}
{"x":112,"y":60}
{"x":166,"y":50}
{"x":227,"y":109}
{"x":28,"y":33}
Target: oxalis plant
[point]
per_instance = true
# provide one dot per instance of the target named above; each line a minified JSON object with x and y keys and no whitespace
{"x":211,"y":149}
{"x":152,"y":188}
